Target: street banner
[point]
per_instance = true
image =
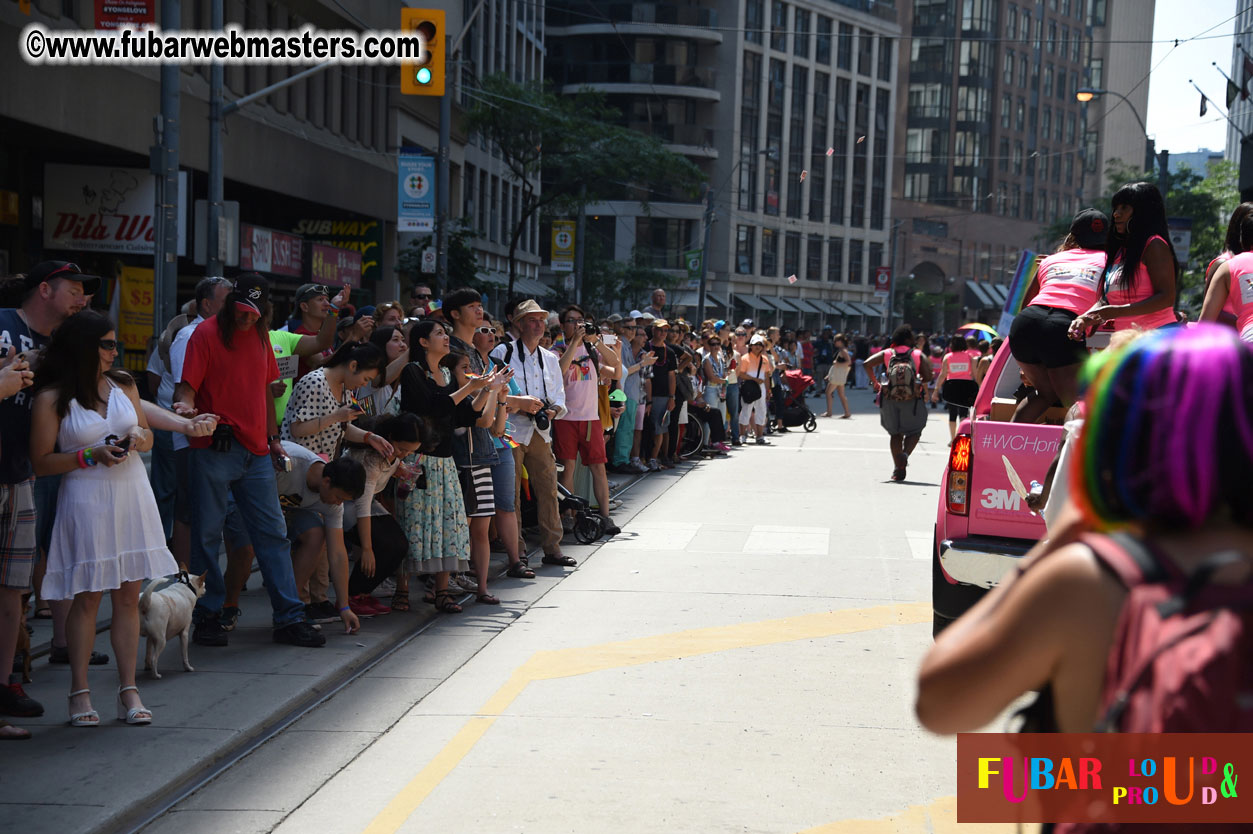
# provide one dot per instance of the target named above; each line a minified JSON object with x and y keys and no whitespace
{"x":416,"y":193}
{"x":99,"y":208}
{"x":563,"y":246}
{"x":125,"y":14}
{"x":692,"y":259}
{"x":1028,"y":264}
{"x":135,"y":308}
{"x":882,"y":281}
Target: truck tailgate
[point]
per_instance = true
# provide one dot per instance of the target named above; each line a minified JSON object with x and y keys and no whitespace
{"x":995,"y":508}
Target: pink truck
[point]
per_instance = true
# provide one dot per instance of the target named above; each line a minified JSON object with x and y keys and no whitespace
{"x":983,"y":526}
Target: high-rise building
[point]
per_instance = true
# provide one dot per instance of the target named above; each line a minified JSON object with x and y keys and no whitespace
{"x":786,"y":107}
{"x":1241,"y":112}
{"x":996,"y":145}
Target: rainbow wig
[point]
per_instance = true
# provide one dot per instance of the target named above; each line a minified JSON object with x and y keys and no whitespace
{"x":1168,"y":439}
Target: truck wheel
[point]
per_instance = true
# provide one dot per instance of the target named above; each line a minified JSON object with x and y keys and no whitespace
{"x":939,"y":622}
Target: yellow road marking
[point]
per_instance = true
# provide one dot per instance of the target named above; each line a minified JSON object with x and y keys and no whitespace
{"x":939,"y":817}
{"x":565,"y":663}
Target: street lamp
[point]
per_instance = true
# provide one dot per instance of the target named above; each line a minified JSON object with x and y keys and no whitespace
{"x":771,"y":153}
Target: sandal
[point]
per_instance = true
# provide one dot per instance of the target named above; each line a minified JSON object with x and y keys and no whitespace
{"x":564,"y":561}
{"x":90,"y":718}
{"x":518,"y":570}
{"x":10,"y":733}
{"x":400,"y":600}
{"x":43,"y":612}
{"x":445,"y":604}
{"x":487,"y":599}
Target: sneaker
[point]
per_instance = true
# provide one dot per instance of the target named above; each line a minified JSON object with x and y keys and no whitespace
{"x":465,"y":582}
{"x":654,"y":465}
{"x":607,"y":527}
{"x":14,"y":701}
{"x":321,"y":612}
{"x":229,"y":617}
{"x":722,"y":447}
{"x":737,"y":442}
{"x":761,"y":441}
{"x":377,"y":604}
{"x":299,"y":634}
{"x":209,"y":632}
{"x":360,"y":605}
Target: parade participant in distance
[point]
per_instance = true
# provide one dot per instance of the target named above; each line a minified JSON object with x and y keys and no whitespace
{"x":1060,"y":623}
{"x":956,"y":382}
{"x":902,"y":413}
{"x":579,"y":433}
{"x":107,"y":535}
{"x":1139,"y":288}
{"x":1231,"y":288}
{"x":49,"y":294}
{"x":837,"y":375}
{"x":1067,"y":285}
{"x":434,"y":519}
{"x":754,"y":374}
{"x":229,"y":367}
{"x":537,"y":372}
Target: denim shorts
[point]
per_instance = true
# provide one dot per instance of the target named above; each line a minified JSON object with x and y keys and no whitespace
{"x":502,"y":482}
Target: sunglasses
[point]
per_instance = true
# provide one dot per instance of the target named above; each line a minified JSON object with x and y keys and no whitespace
{"x":108,"y":344}
{"x":486,"y":329}
{"x":419,"y":295}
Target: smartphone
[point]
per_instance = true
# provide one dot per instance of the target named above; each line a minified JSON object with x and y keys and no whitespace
{"x":610,"y":339}
{"x":123,"y":443}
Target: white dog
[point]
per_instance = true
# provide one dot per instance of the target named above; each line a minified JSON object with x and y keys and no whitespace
{"x":164,"y":611}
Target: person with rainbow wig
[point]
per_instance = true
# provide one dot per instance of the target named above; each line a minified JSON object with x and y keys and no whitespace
{"x":1165,"y":457}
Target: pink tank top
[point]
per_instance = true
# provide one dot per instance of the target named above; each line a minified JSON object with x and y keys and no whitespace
{"x":1230,"y":306}
{"x":1141,"y":288}
{"x":959,"y":365}
{"x":1240,"y":293}
{"x":1070,"y":280}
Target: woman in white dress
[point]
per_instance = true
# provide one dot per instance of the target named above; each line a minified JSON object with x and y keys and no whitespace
{"x":87,"y":424}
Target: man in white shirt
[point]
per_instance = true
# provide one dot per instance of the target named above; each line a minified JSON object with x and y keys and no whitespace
{"x":537,"y":372}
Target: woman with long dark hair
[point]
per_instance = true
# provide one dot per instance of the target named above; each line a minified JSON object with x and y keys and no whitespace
{"x":434,"y":518}
{"x":322,"y":406}
{"x":1139,"y":288}
{"x":390,"y":340}
{"x":1232,"y":245}
{"x":1232,"y":286}
{"x":86,"y":423}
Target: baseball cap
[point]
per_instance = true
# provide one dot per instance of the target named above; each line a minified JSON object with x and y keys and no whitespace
{"x":635,"y":314}
{"x":646,"y":316}
{"x":1090,"y":228}
{"x":719,"y":324}
{"x":614,"y":318}
{"x":660,"y":323}
{"x":308,"y":291}
{"x":367,"y":310}
{"x":757,"y":339}
{"x":252,"y":292}
{"x":48,"y":270}
{"x":617,"y":396}
{"x":746,"y":323}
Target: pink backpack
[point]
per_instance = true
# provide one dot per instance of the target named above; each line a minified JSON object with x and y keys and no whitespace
{"x":1179,"y":662}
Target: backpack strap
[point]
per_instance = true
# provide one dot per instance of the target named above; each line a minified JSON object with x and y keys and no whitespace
{"x":1126,"y":557}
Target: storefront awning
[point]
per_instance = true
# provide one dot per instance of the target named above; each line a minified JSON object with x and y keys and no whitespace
{"x":874,"y":309}
{"x":825,"y":307}
{"x":716,"y":298}
{"x":753,"y":302}
{"x":806,"y":305}
{"x":684,"y":298}
{"x":845,"y":309}
{"x":531,"y":288}
{"x":862,"y":309}
{"x":780,"y":304}
{"x":1000,"y":292}
{"x":981,"y":294}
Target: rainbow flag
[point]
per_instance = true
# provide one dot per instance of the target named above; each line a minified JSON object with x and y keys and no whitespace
{"x":1028,"y":265}
{"x":510,"y":442}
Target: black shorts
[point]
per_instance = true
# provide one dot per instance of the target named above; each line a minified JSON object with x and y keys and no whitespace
{"x":957,"y":412}
{"x":1040,"y":336}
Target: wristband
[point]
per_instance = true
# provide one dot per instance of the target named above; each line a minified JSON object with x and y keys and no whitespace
{"x":345,"y":608}
{"x":334,"y":309}
{"x":82,"y":461}
{"x":89,"y":457}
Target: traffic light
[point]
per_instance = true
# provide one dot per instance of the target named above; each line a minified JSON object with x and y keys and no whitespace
{"x":424,"y":77}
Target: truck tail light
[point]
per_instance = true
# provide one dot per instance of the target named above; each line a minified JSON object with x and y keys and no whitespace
{"x":960,"y":460}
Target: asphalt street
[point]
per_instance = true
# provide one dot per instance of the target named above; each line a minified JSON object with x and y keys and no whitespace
{"x":741,"y":658}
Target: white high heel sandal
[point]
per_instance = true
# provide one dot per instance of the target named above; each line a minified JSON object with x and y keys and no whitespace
{"x":90,"y":718}
{"x":134,"y":715}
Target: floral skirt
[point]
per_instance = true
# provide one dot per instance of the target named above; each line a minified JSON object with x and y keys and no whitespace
{"x":434,"y":520}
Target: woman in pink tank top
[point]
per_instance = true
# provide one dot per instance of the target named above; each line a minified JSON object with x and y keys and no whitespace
{"x":1232,"y":287}
{"x":1234,"y":246}
{"x":1066,"y":285}
{"x":1140,"y":286}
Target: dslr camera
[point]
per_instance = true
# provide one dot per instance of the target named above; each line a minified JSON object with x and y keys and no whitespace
{"x":541,"y":418}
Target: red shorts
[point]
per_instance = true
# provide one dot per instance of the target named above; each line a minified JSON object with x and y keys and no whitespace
{"x":579,"y":437}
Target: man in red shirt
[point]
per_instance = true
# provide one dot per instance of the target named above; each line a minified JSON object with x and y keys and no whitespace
{"x":227,"y":372}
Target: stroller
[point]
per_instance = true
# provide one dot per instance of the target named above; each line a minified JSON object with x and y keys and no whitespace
{"x":588,"y":526}
{"x":795,"y":411}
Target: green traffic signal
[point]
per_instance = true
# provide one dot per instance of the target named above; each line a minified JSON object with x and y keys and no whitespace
{"x":424,"y":75}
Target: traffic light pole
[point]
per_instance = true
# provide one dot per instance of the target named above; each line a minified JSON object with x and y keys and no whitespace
{"x":213,"y":246}
{"x":165,"y":272}
{"x":704,"y":252}
{"x":442,"y":178}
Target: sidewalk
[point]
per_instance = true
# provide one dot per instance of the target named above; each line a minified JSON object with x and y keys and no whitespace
{"x":95,"y":779}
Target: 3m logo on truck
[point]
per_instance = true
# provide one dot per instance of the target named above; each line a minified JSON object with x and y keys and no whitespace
{"x":1001,"y":499}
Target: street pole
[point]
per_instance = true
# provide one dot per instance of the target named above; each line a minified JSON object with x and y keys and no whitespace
{"x":1163,"y":174}
{"x":704,"y":251}
{"x":580,"y":229}
{"x":896,"y":256}
{"x":165,"y":273}
{"x":442,"y":178}
{"x":213,"y":238}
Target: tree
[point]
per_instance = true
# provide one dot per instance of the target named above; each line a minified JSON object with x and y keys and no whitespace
{"x":572,"y":146}
{"x":608,"y":285}
{"x":463,"y":267}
